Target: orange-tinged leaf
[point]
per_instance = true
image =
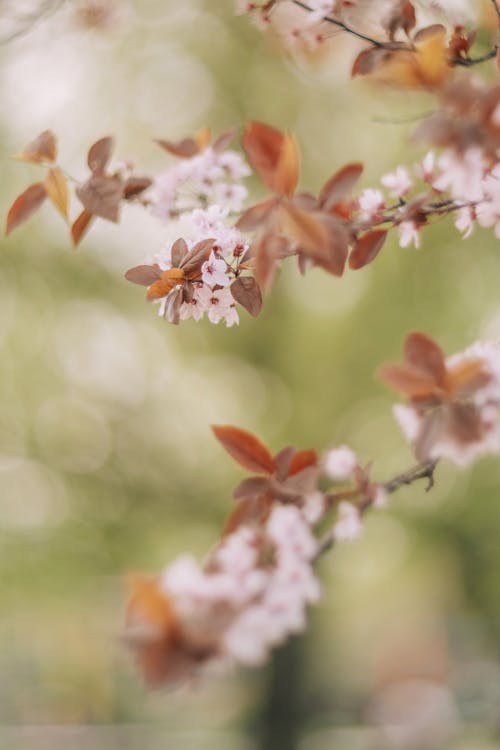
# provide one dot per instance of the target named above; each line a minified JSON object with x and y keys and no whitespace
{"x":368,"y":60}
{"x":81,"y":225}
{"x":148,"y":601}
{"x":257,"y":215}
{"x":432,"y":56}
{"x":305,"y":228}
{"x":367,"y":248}
{"x":286,"y":175}
{"x":203,"y":138}
{"x":422,"y":352}
{"x":245,"y":448}
{"x":42,"y":149}
{"x":302,"y":460}
{"x":101,"y":195}
{"x":466,"y":377}
{"x":339,"y":185}
{"x":25,"y":206}
{"x":56,"y":186}
{"x":411,"y":381}
{"x":274,"y":156}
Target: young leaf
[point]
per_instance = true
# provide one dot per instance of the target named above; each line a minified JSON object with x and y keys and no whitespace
{"x":302,"y":460}
{"x":56,"y":186}
{"x":134,"y":186}
{"x":339,"y":185}
{"x":101,"y":196}
{"x":246,"y":291}
{"x":42,"y":149}
{"x":367,"y":248}
{"x":424,"y":353}
{"x":179,"y":251}
{"x":81,"y":225}
{"x":184,"y":149}
{"x":245,"y":448}
{"x":257,"y":215}
{"x":25,"y":206}
{"x":143,"y":275}
{"x":274,"y":156}
{"x":100,"y":154}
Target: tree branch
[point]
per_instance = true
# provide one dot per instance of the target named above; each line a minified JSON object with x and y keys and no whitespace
{"x":421,"y":471}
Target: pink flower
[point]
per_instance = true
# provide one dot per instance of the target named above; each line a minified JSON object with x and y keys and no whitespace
{"x":219,"y":305}
{"x":398,"y":182}
{"x":409,"y":234}
{"x":371,"y":204}
{"x":340,"y":463}
{"x":214,"y":271}
{"x":348,"y":526}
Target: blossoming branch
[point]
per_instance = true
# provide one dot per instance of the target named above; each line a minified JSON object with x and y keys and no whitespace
{"x":252,"y":591}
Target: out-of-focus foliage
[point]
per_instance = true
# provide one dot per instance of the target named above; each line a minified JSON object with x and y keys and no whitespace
{"x":107,"y":463}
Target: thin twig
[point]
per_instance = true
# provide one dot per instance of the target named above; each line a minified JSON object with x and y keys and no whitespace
{"x":421,"y":471}
{"x":497,"y":8}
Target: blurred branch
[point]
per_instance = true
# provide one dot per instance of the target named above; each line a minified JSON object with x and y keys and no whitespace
{"x":421,"y":471}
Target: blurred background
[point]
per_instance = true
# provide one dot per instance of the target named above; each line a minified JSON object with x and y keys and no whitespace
{"x":107,"y":464}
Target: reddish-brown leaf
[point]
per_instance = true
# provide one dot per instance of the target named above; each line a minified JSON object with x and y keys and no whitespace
{"x":305,"y":228}
{"x":367,"y":248}
{"x":179,"y":251}
{"x":185,"y":149}
{"x":466,"y":377}
{"x":134,"y":186}
{"x":192,"y":262}
{"x":81,"y":225}
{"x":57,"y":189}
{"x":143,"y":275}
{"x":224,"y":140}
{"x":333,"y":257}
{"x":424,"y":353}
{"x":246,"y":291}
{"x":340,"y":185}
{"x":245,"y":448}
{"x":99,"y":154}
{"x":251,"y":487}
{"x":412,"y":381}
{"x":274,"y":156}
{"x":25,"y":206}
{"x":302,"y":460}
{"x":101,"y":195}
{"x":368,"y":60}
{"x":42,"y":149}
{"x":255,"y":216}
{"x":402,"y":17}
{"x":173,"y":305}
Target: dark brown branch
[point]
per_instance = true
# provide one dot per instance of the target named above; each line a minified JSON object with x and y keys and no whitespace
{"x":391,"y":46}
{"x":421,"y":471}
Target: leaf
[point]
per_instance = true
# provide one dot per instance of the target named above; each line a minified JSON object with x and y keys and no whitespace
{"x":430,"y":432}
{"x":101,"y":196}
{"x":251,"y":487}
{"x":81,"y":225}
{"x":302,"y":460}
{"x":367,"y":248}
{"x":173,"y":305}
{"x":203,"y":138}
{"x":179,"y":251}
{"x":223,"y":141}
{"x":333,"y":257}
{"x":339,"y":185}
{"x":245,"y":448}
{"x":282,"y":461}
{"x":463,"y":422}
{"x":165,"y":284}
{"x":42,"y":149}
{"x":246,"y":291}
{"x":249,"y":510}
{"x":423,"y":352}
{"x":274,"y":156}
{"x":134,"y":186}
{"x":305,"y":228}
{"x":56,"y":186}
{"x":25,"y":206}
{"x":143,"y":275}
{"x":465,"y":377}
{"x":412,"y":381}
{"x":185,"y":149}
{"x":99,"y":154}
{"x":255,"y":216}
{"x":192,"y":262}
{"x":368,"y":60}
{"x":402,"y":17}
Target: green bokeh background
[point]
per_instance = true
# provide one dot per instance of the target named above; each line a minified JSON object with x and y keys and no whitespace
{"x":107,"y":464}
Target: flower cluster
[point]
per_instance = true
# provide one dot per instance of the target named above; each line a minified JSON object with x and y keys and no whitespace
{"x":454,"y":404}
{"x":253,"y":589}
{"x":203,"y":176}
